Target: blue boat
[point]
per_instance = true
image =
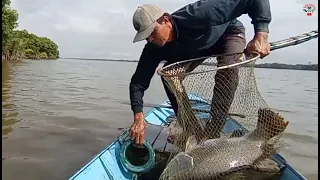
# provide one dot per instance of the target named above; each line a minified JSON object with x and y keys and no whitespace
{"x":112,"y":162}
{"x":108,"y":165}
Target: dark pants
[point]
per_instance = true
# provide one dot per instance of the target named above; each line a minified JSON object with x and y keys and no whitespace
{"x":226,"y":81}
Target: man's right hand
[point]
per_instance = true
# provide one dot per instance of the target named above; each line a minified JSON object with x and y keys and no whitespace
{"x":138,"y":128}
{"x":259,"y":44}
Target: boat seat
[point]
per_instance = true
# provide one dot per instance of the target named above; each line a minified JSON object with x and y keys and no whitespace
{"x":157,"y":136}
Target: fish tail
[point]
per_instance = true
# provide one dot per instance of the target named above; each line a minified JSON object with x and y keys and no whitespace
{"x":270,"y":124}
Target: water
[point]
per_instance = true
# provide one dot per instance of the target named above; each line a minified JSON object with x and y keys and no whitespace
{"x":56,"y":115}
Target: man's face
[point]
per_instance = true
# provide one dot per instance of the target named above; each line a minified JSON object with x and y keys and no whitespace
{"x":161,"y":33}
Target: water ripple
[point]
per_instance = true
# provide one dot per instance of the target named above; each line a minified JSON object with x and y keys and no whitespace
{"x":67,"y":111}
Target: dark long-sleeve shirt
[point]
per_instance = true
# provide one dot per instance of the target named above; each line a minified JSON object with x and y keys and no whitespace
{"x":197,"y":26}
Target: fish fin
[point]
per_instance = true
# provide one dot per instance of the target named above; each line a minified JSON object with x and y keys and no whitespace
{"x":191,"y":143}
{"x":270,"y":124}
{"x":181,"y":161}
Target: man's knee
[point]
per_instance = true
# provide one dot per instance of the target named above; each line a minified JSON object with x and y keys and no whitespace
{"x":234,"y":42}
{"x":229,"y":59}
{"x":233,"y":48}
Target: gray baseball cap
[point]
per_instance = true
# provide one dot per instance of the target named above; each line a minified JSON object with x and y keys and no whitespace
{"x":144,"y":20}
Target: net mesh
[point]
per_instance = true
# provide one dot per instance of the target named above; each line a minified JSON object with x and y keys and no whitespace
{"x":227,"y":84}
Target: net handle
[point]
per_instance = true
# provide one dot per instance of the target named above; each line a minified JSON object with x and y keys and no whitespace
{"x":273,"y":46}
{"x":256,"y":56}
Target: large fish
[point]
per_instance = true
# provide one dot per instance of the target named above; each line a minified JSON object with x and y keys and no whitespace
{"x":215,"y":158}
{"x":186,"y":116}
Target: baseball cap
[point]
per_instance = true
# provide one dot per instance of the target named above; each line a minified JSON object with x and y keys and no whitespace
{"x":144,"y":20}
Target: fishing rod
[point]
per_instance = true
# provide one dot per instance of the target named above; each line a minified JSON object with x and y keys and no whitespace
{"x":273,"y":46}
{"x":292,"y":41}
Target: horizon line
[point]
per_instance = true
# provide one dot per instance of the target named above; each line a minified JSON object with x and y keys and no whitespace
{"x":128,"y":60}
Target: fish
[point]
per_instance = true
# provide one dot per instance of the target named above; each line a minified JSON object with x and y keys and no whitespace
{"x":216,"y":158}
{"x":186,"y":117}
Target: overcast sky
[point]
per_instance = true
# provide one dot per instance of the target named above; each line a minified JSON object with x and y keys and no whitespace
{"x":103,"y":28}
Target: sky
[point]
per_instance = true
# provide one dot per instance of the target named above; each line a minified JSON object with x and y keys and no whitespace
{"x":103,"y":28}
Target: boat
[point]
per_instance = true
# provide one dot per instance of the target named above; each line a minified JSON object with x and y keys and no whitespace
{"x":112,"y":162}
{"x":108,"y":165}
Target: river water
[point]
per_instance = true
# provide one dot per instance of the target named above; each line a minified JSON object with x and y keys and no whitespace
{"x":56,"y":115}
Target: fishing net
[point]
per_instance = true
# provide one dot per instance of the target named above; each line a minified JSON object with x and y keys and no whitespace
{"x":205,"y":149}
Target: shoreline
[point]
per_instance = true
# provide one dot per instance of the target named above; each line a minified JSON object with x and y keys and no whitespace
{"x":306,"y":67}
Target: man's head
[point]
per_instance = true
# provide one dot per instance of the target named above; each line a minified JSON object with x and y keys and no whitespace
{"x":152,"y":24}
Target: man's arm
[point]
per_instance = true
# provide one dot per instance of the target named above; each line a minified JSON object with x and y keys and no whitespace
{"x":140,"y":81}
{"x":218,"y":12}
{"x":260,"y":14}
{"x":261,"y":17}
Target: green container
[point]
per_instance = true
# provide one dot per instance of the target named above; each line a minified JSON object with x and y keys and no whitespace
{"x":137,"y":159}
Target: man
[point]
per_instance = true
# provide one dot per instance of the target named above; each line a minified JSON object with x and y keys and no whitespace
{"x":203,"y":28}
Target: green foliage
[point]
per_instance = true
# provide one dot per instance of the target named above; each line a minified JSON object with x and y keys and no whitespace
{"x":37,"y":47}
{"x":19,"y":44}
{"x":5,"y":2}
{"x":9,"y":20}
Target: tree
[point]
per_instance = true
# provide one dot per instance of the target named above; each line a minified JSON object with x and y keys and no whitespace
{"x":19,"y":44}
{"x":9,"y":20}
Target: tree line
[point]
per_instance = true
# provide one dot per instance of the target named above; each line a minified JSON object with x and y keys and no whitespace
{"x":309,"y":67}
{"x":21,"y":44}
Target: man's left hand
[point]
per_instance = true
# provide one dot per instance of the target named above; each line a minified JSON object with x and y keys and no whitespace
{"x":259,"y":44}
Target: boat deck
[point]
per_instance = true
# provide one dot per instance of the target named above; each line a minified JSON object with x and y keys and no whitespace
{"x":107,"y":166}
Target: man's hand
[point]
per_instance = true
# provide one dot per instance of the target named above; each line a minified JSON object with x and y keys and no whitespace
{"x":138,"y":128}
{"x":259,"y":44}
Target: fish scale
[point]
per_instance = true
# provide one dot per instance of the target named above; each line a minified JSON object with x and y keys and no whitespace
{"x":215,"y":158}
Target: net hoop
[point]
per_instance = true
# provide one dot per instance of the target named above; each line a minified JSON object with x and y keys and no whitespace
{"x":253,"y":56}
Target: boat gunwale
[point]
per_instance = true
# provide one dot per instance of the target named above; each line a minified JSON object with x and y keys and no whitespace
{"x":279,"y":159}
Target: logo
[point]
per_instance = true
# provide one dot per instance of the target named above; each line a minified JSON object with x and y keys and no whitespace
{"x":309,"y":9}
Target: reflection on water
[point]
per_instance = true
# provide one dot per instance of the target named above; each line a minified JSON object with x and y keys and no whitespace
{"x":9,"y":112}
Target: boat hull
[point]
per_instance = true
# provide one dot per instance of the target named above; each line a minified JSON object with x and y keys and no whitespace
{"x":107,"y":165}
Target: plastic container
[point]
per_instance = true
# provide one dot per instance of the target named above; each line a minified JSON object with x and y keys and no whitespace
{"x":137,"y":159}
